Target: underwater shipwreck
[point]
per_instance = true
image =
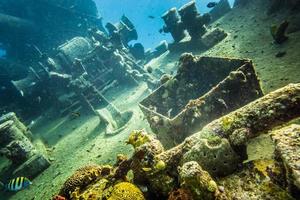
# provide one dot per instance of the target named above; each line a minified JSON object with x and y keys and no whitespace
{"x":88,"y":113}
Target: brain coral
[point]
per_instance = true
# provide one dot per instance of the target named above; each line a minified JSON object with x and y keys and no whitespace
{"x":80,"y":179}
{"x":126,"y":191}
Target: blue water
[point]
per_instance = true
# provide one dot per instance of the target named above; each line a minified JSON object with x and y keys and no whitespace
{"x":138,"y":12}
{"x":2,"y":53}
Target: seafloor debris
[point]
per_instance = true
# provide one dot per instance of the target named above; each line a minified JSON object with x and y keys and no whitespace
{"x":278,"y":32}
{"x":18,"y":148}
{"x":204,"y":89}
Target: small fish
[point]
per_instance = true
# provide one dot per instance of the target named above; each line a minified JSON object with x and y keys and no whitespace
{"x":39,"y":99}
{"x":223,"y":103}
{"x":75,"y":115}
{"x":211,"y":4}
{"x":151,"y":17}
{"x":16,"y":184}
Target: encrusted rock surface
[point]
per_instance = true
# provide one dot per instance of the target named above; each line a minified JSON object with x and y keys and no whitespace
{"x":287,"y":144}
{"x":215,"y":156}
{"x":198,"y":181}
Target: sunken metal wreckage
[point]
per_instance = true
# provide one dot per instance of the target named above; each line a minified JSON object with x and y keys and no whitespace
{"x":201,"y":137}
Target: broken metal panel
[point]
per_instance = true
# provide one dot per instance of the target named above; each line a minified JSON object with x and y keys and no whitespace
{"x":204,"y":89}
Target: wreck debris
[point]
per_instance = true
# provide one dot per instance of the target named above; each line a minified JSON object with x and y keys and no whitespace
{"x":125,"y":29}
{"x":168,"y":173}
{"x":173,"y":24}
{"x":278,"y":32}
{"x":192,"y":21}
{"x":287,"y":146}
{"x":17,"y":147}
{"x":247,"y":122}
{"x":213,"y":37}
{"x":44,"y":15}
{"x":204,"y":89}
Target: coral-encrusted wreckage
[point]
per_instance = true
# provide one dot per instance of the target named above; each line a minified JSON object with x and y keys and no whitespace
{"x":201,"y":166}
{"x":203,"y":117}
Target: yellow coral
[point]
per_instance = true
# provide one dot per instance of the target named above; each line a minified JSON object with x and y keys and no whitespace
{"x":160,"y":165}
{"x":93,"y":192}
{"x":138,"y":138}
{"x":212,"y":186}
{"x":126,"y":191}
{"x":227,"y":122}
{"x":262,"y":165}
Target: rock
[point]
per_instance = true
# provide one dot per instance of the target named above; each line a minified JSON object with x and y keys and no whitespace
{"x":287,"y":146}
{"x":215,"y":156}
{"x":198,"y":181}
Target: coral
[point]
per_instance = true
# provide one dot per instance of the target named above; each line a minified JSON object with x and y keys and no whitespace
{"x":138,"y":138}
{"x":214,"y":155}
{"x":94,"y":192}
{"x":262,"y":166}
{"x":122,"y":167}
{"x":164,"y":78}
{"x":80,"y":179}
{"x":160,"y":165}
{"x":198,"y":181}
{"x":250,"y":184}
{"x":126,"y":191}
{"x":180,"y":194}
